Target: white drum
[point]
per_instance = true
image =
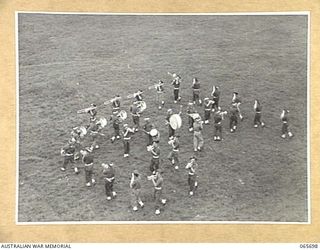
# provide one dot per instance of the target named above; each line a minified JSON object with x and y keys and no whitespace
{"x":102,"y":121}
{"x":153,"y":132}
{"x":175,"y":121}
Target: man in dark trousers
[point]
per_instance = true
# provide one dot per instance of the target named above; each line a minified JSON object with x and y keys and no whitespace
{"x":127,"y":132}
{"x":68,"y":154}
{"x":285,"y":126}
{"x":176,"y":87}
{"x":154,"y":149}
{"x":87,"y":159}
{"x":257,"y":117}
{"x":215,"y":97}
{"x":109,"y":177}
{"x":196,"y":91}
{"x":192,"y":178}
{"x":157,"y":181}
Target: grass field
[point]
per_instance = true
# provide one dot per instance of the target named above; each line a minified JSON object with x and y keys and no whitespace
{"x":262,"y":57}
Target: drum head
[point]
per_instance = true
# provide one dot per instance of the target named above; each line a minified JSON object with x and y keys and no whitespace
{"x":175,"y":121}
{"x":103,"y":122}
{"x":153,"y":132}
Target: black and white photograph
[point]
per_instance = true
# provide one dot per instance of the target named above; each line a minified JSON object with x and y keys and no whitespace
{"x":162,"y":118}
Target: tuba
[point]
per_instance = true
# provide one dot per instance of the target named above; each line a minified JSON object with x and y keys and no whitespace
{"x":122,"y":115}
{"x":141,"y":105}
{"x":102,"y":122}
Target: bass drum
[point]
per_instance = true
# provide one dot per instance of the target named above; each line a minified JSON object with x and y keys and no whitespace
{"x":141,"y":106}
{"x":102,"y":121}
{"x":83,"y":131}
{"x":123,"y":115}
{"x":175,"y":121}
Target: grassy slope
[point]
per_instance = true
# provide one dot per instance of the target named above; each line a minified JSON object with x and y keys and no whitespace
{"x":260,"y":56}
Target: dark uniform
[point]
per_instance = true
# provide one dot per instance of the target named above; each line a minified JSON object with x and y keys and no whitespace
{"x":93,"y":112}
{"x":208,"y":106}
{"x":134,"y":109}
{"x":176,"y":88}
{"x":196,"y":91}
{"x":116,"y":126}
{"x":135,"y":185}
{"x":94,"y":130}
{"x":68,"y":154}
{"x":127,"y":132}
{"x":159,"y":200}
{"x":109,"y":177}
{"x":285,"y":126}
{"x":192,"y":178}
{"x":190,"y":110}
{"x":155,"y":160}
{"x":215,"y":97}
{"x":257,"y":117}
{"x":233,"y":117}
{"x":174,"y":154}
{"x":198,"y":140}
{"x":217,"y":126}
{"x":147,"y":128}
{"x":87,"y":159}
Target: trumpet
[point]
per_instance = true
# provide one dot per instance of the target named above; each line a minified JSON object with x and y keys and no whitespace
{"x":86,"y":110}
{"x":112,"y":100}
{"x":134,"y":94}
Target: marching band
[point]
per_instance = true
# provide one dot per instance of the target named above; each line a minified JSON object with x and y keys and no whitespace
{"x":72,"y":151}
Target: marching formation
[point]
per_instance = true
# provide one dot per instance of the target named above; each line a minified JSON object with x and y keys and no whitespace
{"x":90,"y":134}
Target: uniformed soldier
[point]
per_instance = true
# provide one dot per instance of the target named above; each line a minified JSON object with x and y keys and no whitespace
{"x":234,"y":112}
{"x":190,"y":110}
{"x":176,"y":87}
{"x":127,"y":132}
{"x":68,"y":154}
{"x":115,"y":119}
{"x":215,"y":97}
{"x":147,"y":127}
{"x":197,"y":134}
{"x":257,"y":117}
{"x":196,"y":91}
{"x":135,"y":185}
{"x":192,"y":178}
{"x":116,"y":104}
{"x":109,"y":177}
{"x":160,"y":91}
{"x":174,"y":154}
{"x":157,"y":181}
{"x":87,"y":159}
{"x":134,"y":109}
{"x":208,"y":107}
{"x":154,"y":149}
{"x":285,"y":126}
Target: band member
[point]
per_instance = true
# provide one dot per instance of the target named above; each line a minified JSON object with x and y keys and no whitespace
{"x":87,"y":159}
{"x":155,"y":135}
{"x":215,"y":97}
{"x":147,"y":127}
{"x":127,"y":132}
{"x":135,"y":185}
{"x":176,"y":87}
{"x":138,"y":95}
{"x":109,"y":177}
{"x":94,"y":131}
{"x":134,"y":109}
{"x":115,"y":119}
{"x":197,"y":134}
{"x":234,"y":112}
{"x":192,"y":178}
{"x":160,"y":90}
{"x":154,"y":149}
{"x":190,"y":110}
{"x":208,"y":107}
{"x":116,"y":104}
{"x":257,"y":117}
{"x":285,"y":126}
{"x":237,"y":101}
{"x":174,"y":154}
{"x":68,"y":154}
{"x":171,"y":130}
{"x":196,"y":91}
{"x":76,"y":137}
{"x":92,"y":112}
{"x":157,"y":181}
{"x":218,"y":117}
